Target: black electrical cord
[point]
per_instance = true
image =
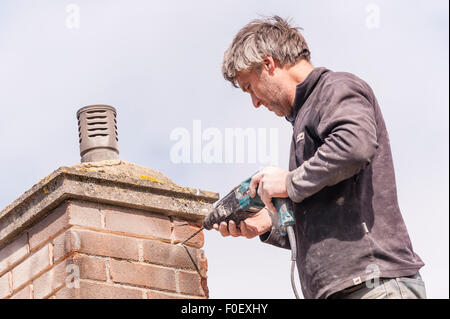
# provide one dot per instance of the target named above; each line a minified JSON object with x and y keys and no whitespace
{"x":293,"y":243}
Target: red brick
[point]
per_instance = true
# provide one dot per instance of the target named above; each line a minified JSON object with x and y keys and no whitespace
{"x":202,"y":264}
{"x":4,"y":285}
{"x":56,"y":277}
{"x":137,"y":223}
{"x":25,"y":293}
{"x":183,"y":229}
{"x":85,"y":214}
{"x":80,"y":266}
{"x":142,"y":275}
{"x":66,"y":293}
{"x":90,"y":290}
{"x":47,"y":228}
{"x":153,"y":294}
{"x":98,"y":290}
{"x":192,"y":284}
{"x":171,"y":255}
{"x":90,"y":267}
{"x":76,"y":267}
{"x":103,"y":244}
{"x":50,"y":280}
{"x":31,"y":267}
{"x":62,"y":245}
{"x":12,"y":253}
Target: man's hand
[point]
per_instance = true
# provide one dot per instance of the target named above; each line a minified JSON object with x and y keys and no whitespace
{"x":253,"y":226}
{"x":271,"y":182}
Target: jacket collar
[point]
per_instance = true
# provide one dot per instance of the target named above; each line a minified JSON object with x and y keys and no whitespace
{"x":304,"y":90}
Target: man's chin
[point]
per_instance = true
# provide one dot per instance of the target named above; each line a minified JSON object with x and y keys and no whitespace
{"x":279,"y":114}
{"x":273,"y":111}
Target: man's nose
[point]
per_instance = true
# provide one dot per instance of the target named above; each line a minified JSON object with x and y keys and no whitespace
{"x":256,"y":102}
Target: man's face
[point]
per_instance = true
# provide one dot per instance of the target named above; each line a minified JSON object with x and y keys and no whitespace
{"x":266,"y":89}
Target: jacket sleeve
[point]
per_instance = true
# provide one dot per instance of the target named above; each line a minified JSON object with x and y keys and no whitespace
{"x":347,"y":127}
{"x":274,"y":237}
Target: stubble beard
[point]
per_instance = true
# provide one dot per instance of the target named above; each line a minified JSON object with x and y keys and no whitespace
{"x":279,"y":100}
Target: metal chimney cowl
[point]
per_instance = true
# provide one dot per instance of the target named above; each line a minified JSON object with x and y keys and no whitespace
{"x":97,"y":131}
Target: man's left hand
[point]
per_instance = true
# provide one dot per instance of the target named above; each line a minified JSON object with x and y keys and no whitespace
{"x":271,"y":182}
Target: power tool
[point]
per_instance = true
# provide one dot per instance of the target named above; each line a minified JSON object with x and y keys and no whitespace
{"x":238,"y":205}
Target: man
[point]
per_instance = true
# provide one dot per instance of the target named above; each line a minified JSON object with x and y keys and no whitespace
{"x":352,"y":241}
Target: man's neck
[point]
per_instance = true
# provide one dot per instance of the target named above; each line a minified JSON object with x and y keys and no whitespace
{"x":300,"y":71}
{"x":297,"y":74}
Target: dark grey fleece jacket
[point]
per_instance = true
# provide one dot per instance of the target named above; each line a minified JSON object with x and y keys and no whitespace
{"x":348,"y":224}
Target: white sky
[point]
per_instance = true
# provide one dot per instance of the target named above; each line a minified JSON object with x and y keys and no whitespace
{"x":158,"y":63}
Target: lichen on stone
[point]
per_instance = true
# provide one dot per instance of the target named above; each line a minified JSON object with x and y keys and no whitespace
{"x":124,"y":168}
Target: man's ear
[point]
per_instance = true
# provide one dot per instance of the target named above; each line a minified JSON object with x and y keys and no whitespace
{"x":269,"y":64}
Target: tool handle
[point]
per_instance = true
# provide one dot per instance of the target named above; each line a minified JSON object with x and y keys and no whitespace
{"x":284,"y":206}
{"x":285,"y":211}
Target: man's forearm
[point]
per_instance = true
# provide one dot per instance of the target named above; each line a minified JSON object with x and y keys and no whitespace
{"x":321,"y":171}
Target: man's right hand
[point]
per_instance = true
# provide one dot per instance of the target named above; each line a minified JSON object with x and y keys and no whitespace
{"x":253,"y":226}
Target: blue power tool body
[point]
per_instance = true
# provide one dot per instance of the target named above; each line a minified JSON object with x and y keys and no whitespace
{"x":237,"y":205}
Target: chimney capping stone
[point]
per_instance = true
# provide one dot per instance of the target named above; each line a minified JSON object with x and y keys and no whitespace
{"x":115,"y":182}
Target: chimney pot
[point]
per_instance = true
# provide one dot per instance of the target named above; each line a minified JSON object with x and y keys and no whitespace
{"x":97,"y":131}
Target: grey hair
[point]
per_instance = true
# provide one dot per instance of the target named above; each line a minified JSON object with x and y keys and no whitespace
{"x":272,"y":36}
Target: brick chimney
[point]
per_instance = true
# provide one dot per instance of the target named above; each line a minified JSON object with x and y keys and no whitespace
{"x":104,"y":229}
